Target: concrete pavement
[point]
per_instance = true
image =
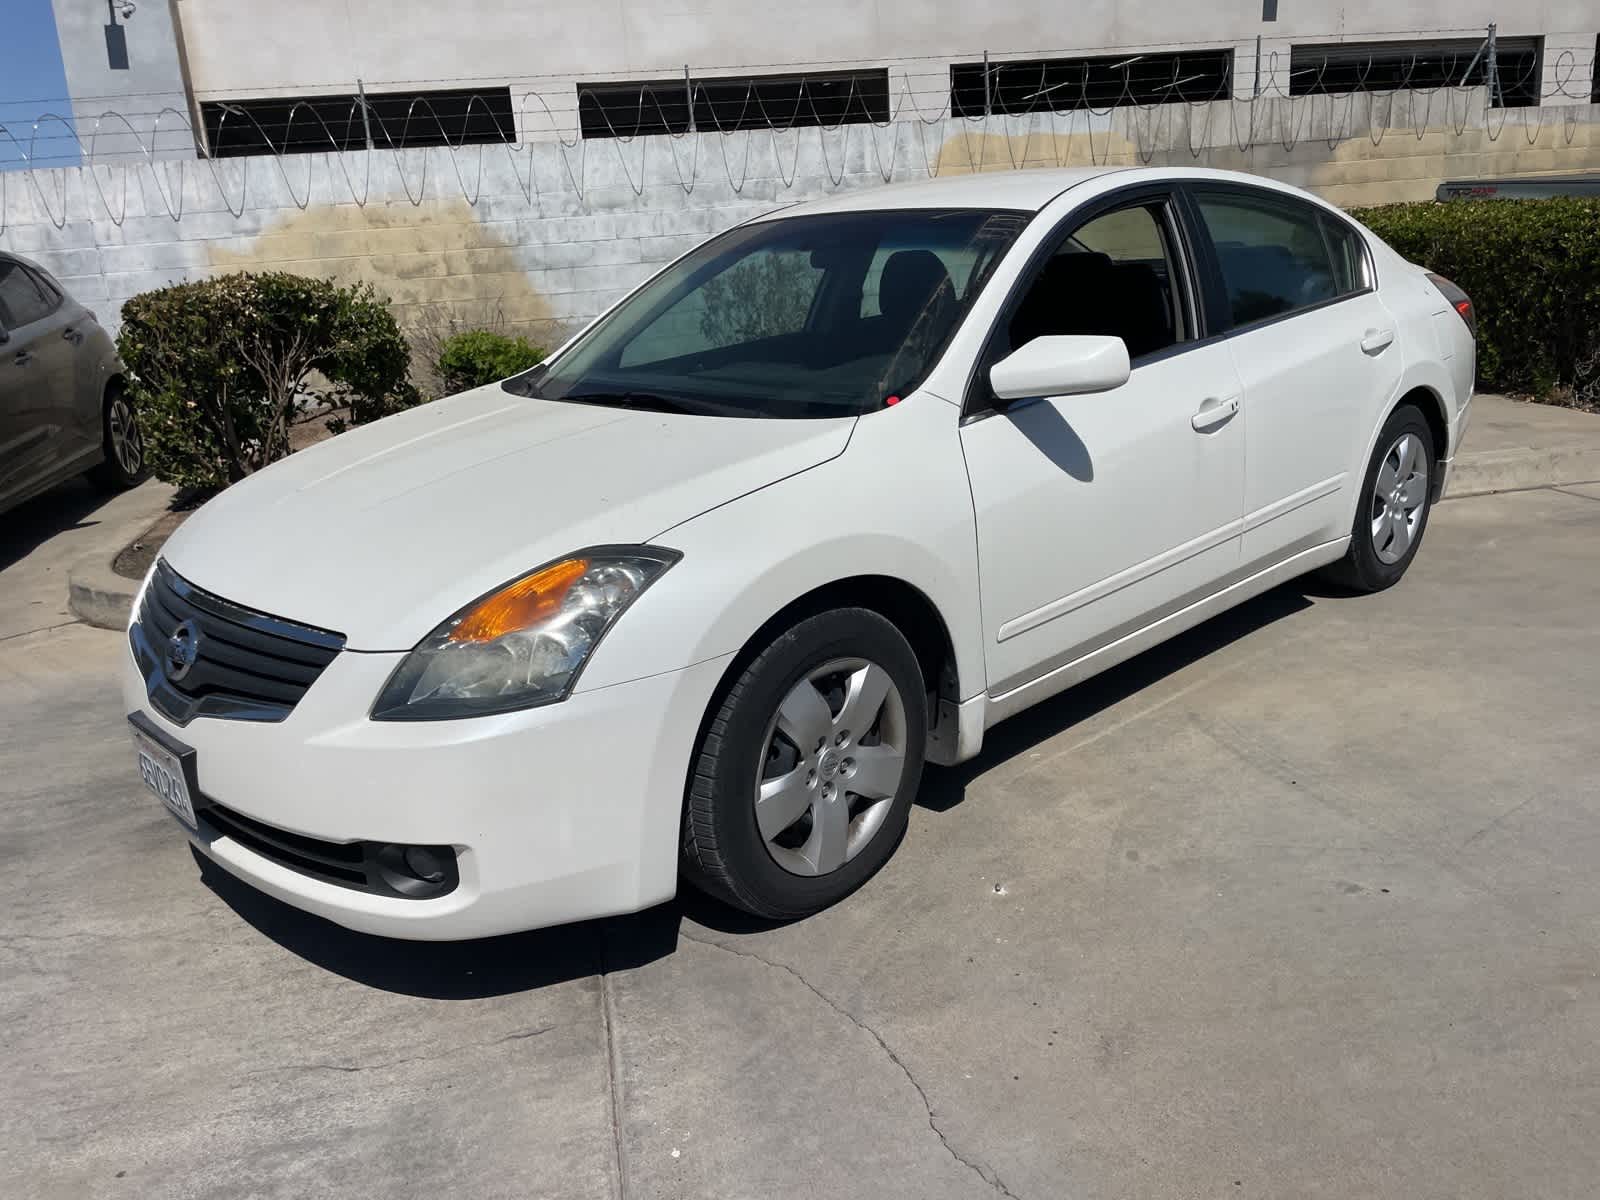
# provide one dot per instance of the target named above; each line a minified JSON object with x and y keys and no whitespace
{"x":41,"y":541}
{"x":1511,"y":444}
{"x":1303,"y":904}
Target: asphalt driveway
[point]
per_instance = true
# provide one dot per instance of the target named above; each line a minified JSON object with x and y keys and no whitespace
{"x":1304,"y":904}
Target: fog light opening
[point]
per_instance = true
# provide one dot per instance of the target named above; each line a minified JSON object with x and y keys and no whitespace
{"x":417,"y":872}
{"x":424,"y":864}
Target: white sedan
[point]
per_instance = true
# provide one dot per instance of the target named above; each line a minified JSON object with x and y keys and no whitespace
{"x":819,"y":503}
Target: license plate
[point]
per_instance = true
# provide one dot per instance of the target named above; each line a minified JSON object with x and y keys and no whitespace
{"x":163,"y":774}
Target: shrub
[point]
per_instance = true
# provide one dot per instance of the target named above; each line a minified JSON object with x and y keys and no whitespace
{"x":1532,"y":268}
{"x":218,"y":369}
{"x":479,"y":356}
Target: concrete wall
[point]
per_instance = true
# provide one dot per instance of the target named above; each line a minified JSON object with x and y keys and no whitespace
{"x":242,"y":49}
{"x":545,"y":235}
{"x":124,"y":111}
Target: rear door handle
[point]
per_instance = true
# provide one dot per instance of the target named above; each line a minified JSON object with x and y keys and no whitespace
{"x":71,"y":335}
{"x":1376,"y":341}
{"x":1214,"y":412}
{"x":23,"y":358}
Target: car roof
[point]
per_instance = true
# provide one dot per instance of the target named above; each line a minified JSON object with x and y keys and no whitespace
{"x":1027,"y":190}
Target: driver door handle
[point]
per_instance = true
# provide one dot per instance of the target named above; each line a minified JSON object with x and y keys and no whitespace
{"x":1376,"y":341}
{"x":1214,"y":412}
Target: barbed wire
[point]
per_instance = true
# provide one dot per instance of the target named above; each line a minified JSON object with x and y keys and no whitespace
{"x":1168,"y":109}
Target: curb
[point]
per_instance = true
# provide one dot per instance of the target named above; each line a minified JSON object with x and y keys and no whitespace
{"x":1487,"y":471}
{"x":97,"y":595}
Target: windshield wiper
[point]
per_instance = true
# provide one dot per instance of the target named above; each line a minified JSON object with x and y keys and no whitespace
{"x":651,"y":401}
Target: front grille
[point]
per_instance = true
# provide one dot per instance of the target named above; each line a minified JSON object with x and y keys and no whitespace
{"x":246,"y":665}
{"x":377,"y":867}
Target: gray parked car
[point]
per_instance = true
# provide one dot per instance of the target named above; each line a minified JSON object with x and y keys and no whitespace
{"x":63,"y":407}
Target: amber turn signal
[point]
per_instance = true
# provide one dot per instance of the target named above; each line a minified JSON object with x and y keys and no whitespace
{"x":520,"y":604}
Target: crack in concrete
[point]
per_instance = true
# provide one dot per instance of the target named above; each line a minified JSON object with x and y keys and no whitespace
{"x":349,"y":1069}
{"x":613,"y":1072}
{"x":984,"y":1172}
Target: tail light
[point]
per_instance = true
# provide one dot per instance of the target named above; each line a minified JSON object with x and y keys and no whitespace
{"x":1457,"y":300}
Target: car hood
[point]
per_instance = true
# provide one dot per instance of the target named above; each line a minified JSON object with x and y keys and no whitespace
{"x":382,"y":533}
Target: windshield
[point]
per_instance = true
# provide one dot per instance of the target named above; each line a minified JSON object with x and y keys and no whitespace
{"x":821,"y":316}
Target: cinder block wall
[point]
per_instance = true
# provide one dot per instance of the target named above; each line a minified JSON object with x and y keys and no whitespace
{"x":541,"y":237}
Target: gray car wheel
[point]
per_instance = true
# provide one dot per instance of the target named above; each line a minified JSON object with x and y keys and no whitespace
{"x":807,"y":766}
{"x":122,"y":443}
{"x":1393,"y":505}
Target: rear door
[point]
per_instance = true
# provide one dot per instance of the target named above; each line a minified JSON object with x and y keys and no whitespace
{"x":1315,"y":351}
{"x":38,"y":384}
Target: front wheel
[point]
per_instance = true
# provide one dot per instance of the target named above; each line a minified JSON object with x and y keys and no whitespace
{"x":805,"y":773}
{"x":1392,"y":510}
{"x":123,"y":445}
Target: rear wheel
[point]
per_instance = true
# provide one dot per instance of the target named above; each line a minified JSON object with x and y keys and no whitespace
{"x":123,"y":445}
{"x":805,"y":773}
{"x":1392,"y":512}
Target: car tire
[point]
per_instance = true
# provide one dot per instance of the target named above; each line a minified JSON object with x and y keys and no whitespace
{"x":123,"y":465}
{"x":1395,"y":501}
{"x":779,"y":739}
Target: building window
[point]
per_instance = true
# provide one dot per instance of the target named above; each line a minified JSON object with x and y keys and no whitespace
{"x":1389,"y":66}
{"x":725,"y":104}
{"x":397,"y":120}
{"x":1015,"y":88}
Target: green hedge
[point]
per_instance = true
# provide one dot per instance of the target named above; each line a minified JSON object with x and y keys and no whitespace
{"x":1532,"y":268}
{"x":221,"y":368}
{"x":479,"y":356}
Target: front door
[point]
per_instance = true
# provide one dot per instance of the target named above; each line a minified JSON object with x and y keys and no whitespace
{"x":1098,"y":514}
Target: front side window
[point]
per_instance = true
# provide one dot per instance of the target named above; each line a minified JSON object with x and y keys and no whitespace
{"x":818,"y":316}
{"x":1273,"y":256}
{"x":23,"y":299}
{"x":1114,"y":275}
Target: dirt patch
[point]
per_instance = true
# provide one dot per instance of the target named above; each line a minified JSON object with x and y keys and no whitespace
{"x":134,"y":559}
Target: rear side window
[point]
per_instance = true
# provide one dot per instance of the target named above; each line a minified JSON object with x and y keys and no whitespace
{"x":23,"y":299}
{"x":1273,"y":256}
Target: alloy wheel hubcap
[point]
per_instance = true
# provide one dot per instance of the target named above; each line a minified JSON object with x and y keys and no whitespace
{"x":126,"y":442}
{"x":1399,"y":498}
{"x":833,"y":760}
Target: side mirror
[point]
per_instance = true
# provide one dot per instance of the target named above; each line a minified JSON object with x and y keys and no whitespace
{"x":1068,"y":365}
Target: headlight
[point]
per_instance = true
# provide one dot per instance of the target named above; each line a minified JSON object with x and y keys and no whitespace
{"x":523,"y":644}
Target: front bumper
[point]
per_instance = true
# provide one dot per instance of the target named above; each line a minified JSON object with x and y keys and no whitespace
{"x":556,"y":814}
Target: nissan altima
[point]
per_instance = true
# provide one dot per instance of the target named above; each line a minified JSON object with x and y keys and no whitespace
{"x":821,"y":502}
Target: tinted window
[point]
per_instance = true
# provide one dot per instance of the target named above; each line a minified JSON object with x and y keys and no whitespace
{"x":1114,"y":275}
{"x":23,"y":300}
{"x":809,"y":316}
{"x":1349,"y":256}
{"x":1272,"y":253}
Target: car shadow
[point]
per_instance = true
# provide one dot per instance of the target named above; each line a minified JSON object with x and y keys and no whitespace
{"x":64,"y":507}
{"x":520,"y":962}
{"x":942,"y":790}
{"x":469,"y":970}
{"x":1052,"y":435}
